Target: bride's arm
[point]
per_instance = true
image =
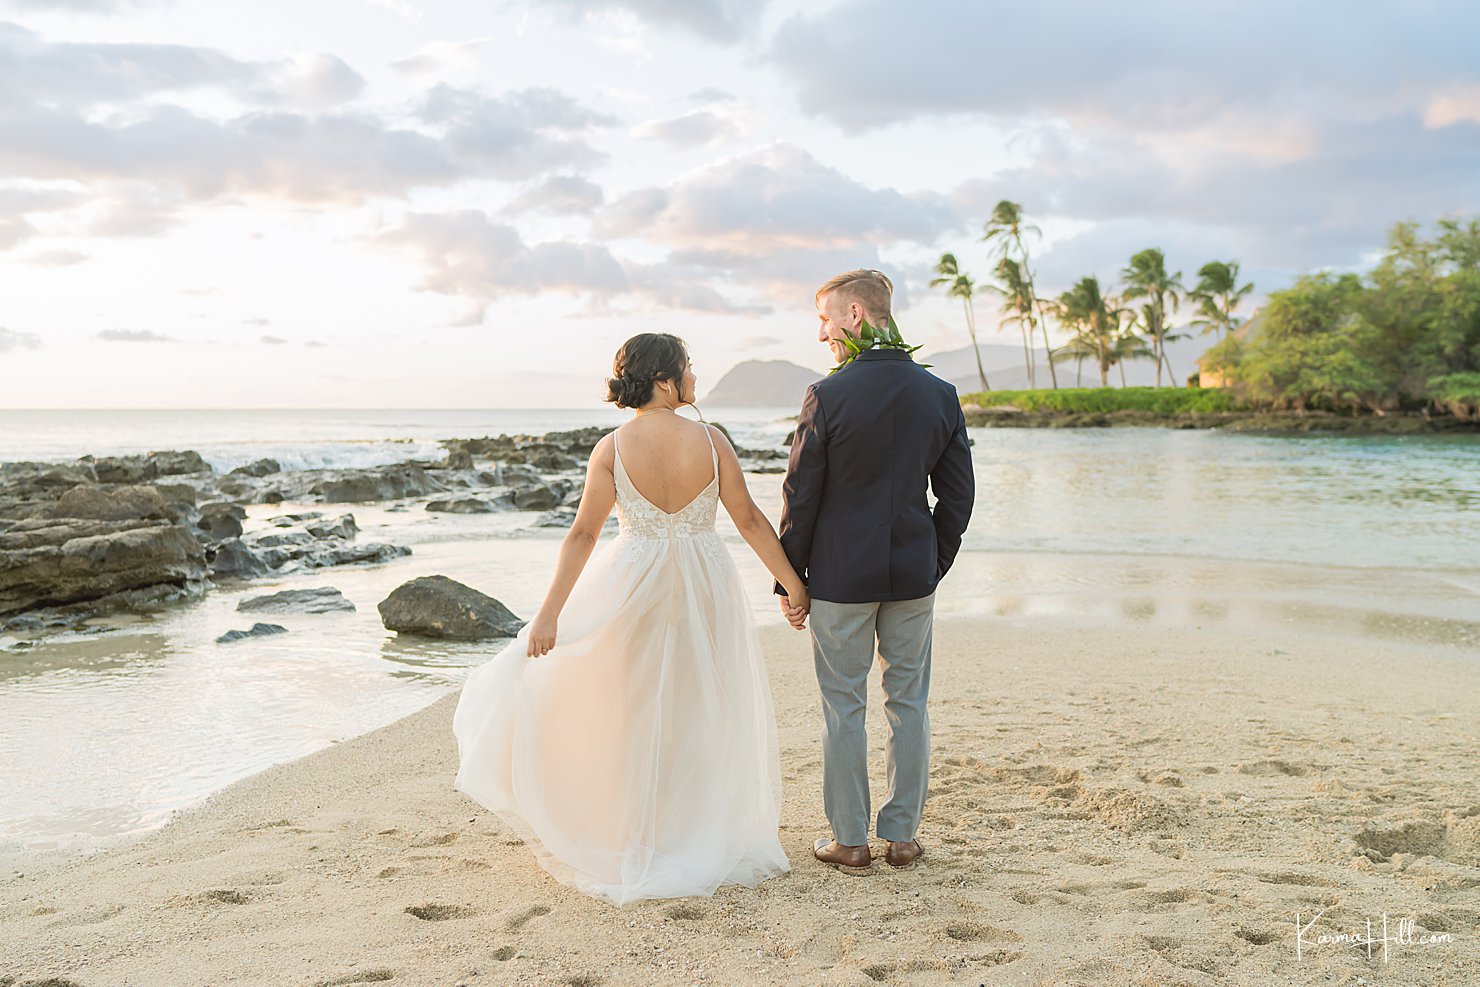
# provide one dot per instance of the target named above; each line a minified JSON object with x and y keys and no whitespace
{"x":753,"y":524}
{"x":596,"y":504}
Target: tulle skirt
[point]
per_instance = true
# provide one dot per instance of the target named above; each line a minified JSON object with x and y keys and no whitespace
{"x":638,"y":759}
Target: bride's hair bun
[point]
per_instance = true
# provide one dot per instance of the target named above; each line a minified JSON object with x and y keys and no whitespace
{"x":642,"y":360}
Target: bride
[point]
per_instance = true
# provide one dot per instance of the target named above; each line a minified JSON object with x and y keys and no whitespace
{"x":627,"y":733}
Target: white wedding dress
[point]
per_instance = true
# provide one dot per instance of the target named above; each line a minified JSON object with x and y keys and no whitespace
{"x":638,"y":759}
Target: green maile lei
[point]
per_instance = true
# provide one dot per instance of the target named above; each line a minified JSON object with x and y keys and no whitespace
{"x":873,"y":338}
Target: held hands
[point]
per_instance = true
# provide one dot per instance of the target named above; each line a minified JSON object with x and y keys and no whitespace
{"x":541,"y":636}
{"x":795,"y":606}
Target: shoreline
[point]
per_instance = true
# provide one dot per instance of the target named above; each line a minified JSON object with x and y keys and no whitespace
{"x":1127,"y":805}
{"x":1251,"y":422}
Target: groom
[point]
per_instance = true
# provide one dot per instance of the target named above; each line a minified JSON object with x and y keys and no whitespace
{"x":855,"y":522}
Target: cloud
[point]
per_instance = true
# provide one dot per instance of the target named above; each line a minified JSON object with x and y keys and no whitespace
{"x":690,"y":130}
{"x":135,"y":336}
{"x":82,"y":6}
{"x":758,"y":342}
{"x":1168,"y":67}
{"x":558,"y":195}
{"x":443,"y":59}
{"x":330,"y":158}
{"x":470,"y":256}
{"x":55,"y":258}
{"x":19,"y":203}
{"x":516,"y":135}
{"x":714,"y":20}
{"x":10,"y":339}
{"x":778,"y":198}
{"x":319,"y":81}
{"x":273,"y":340}
{"x":84,"y":74}
{"x":1284,"y":214}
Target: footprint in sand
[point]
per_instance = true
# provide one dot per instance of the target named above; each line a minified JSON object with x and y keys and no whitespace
{"x":1257,"y":937}
{"x":1275,"y":767}
{"x":437,"y":913}
{"x":976,"y":932}
{"x":525,"y":917}
{"x":1297,"y":879}
{"x":389,"y":872}
{"x":684,"y":913}
{"x":504,"y":953}
{"x":92,"y":916}
{"x":224,"y":896}
{"x":581,"y":980}
{"x":377,"y":976}
{"x":440,"y":840}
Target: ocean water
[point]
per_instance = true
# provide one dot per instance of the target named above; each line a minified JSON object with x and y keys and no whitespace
{"x":315,"y":438}
{"x":1361,"y":537}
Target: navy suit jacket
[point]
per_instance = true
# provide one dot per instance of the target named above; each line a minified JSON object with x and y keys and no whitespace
{"x":855,"y":521}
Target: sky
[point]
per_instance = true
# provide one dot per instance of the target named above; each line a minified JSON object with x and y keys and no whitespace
{"x":416,"y":204}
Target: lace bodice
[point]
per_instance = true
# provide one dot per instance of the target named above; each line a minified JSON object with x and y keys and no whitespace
{"x":640,"y":518}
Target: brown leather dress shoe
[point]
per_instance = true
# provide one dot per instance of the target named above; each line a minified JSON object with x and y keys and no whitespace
{"x":903,"y":854}
{"x":848,"y":859}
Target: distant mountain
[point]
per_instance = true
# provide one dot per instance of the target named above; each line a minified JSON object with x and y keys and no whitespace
{"x":762,"y":384}
{"x":1005,"y":370}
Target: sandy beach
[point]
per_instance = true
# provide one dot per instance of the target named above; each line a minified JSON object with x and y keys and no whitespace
{"x":1137,"y":806}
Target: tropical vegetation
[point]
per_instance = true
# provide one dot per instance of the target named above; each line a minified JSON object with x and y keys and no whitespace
{"x":1406,"y":335}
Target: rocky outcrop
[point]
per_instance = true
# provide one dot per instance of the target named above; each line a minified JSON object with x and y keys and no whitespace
{"x":436,"y":606}
{"x":111,"y":503}
{"x":472,"y":505}
{"x":322,"y":599}
{"x":46,"y":562}
{"x":257,"y":630}
{"x":259,"y":467}
{"x":310,"y":543}
{"x":386,"y":483}
{"x":139,"y":469}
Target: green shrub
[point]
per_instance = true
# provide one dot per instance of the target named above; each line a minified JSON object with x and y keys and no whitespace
{"x":1102,"y":400}
{"x":1457,"y":394}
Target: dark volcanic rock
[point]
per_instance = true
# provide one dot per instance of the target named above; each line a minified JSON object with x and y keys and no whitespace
{"x":321,"y":599}
{"x":258,"y":630}
{"x":387,"y":483}
{"x":45,"y":562}
{"x":435,"y":606}
{"x":343,"y":526}
{"x":112,"y":503}
{"x":219,"y":521}
{"x":138,"y":469}
{"x":233,"y":559}
{"x":539,"y":496}
{"x":468,"y":505}
{"x":260,"y":467}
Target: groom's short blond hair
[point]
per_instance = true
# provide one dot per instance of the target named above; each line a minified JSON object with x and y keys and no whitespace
{"x":870,"y":289}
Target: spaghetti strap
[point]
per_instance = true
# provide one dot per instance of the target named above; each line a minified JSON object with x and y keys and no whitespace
{"x":713,"y":452}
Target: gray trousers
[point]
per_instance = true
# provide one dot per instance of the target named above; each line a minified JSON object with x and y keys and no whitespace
{"x":843,"y":636}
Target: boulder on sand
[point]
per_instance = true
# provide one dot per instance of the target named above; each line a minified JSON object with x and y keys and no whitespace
{"x":436,"y":606}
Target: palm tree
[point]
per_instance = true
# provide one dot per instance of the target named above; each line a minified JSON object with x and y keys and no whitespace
{"x":1146,"y":277}
{"x":1005,"y":230}
{"x":1098,"y":319}
{"x":1013,"y":287}
{"x":1217,"y":294}
{"x":961,"y":287}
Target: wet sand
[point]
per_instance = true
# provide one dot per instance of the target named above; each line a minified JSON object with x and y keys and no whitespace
{"x":1139,"y":805}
